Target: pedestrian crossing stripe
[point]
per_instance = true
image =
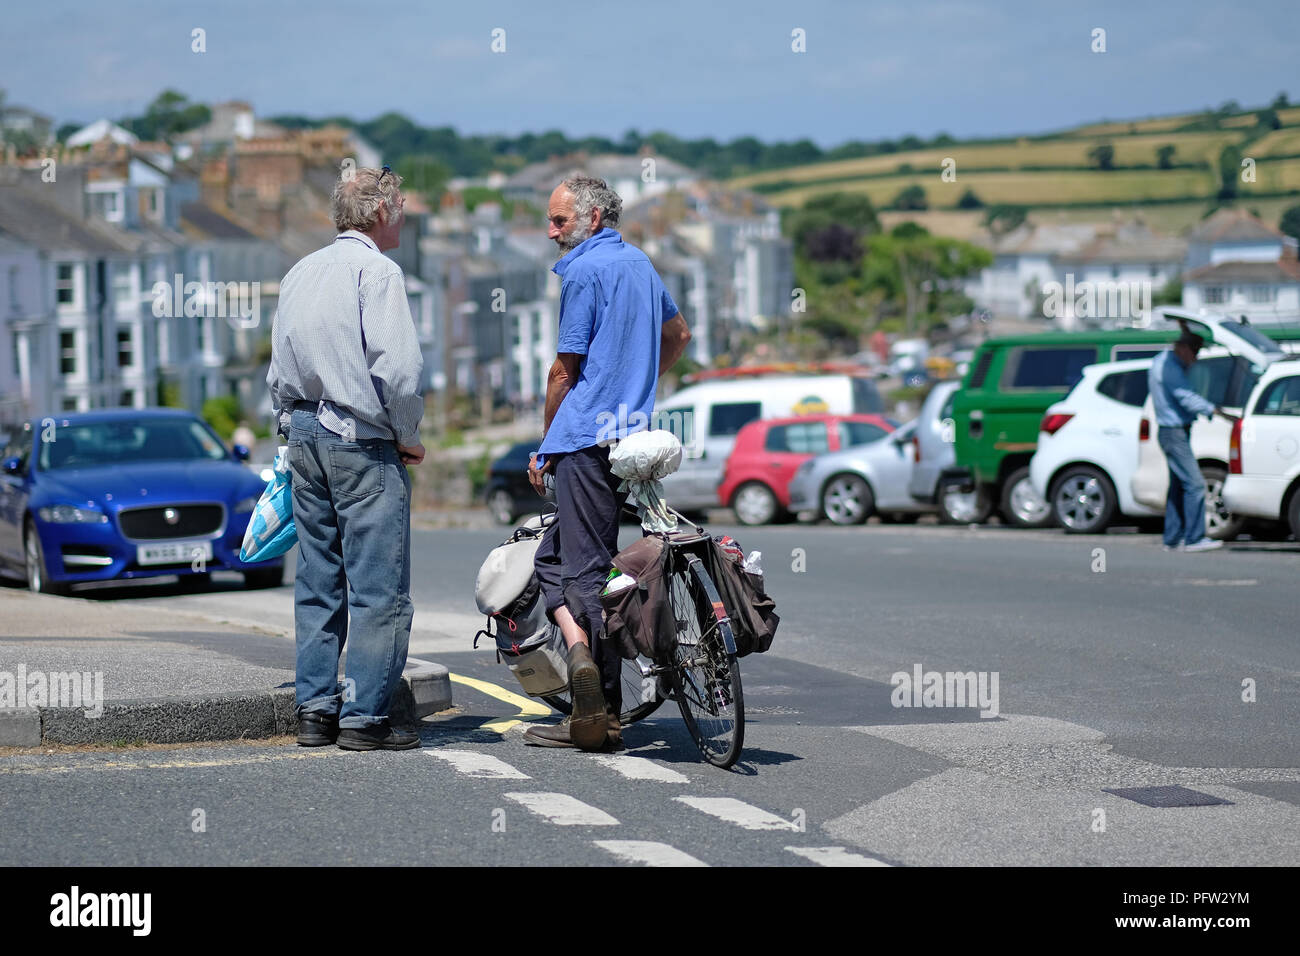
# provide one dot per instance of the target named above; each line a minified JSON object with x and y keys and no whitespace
{"x":738,"y":812}
{"x":471,"y":763}
{"x":834,"y":856}
{"x":563,"y":810}
{"x":648,"y":853}
{"x":638,"y":768}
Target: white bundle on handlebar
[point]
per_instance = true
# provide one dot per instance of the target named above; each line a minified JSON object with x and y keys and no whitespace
{"x":641,"y":459}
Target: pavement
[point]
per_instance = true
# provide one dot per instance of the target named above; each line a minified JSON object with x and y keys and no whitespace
{"x":86,"y":671}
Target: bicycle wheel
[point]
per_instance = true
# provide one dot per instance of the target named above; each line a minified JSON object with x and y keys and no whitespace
{"x":704,"y":672}
{"x":641,"y":696}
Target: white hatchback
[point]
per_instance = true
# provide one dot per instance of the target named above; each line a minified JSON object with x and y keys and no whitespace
{"x":1264,"y":449}
{"x":1224,"y":377}
{"x":1088,"y":448}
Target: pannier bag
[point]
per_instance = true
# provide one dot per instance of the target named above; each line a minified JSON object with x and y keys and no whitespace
{"x":753,"y":614}
{"x":530,"y":645}
{"x":638,"y":615}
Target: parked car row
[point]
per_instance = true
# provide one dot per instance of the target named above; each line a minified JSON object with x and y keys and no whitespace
{"x":1097,"y":459}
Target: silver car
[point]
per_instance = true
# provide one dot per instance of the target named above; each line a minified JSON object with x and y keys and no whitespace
{"x":851,"y":485}
{"x":933,"y":442}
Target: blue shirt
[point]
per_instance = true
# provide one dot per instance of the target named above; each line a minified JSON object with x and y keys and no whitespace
{"x":1177,"y":403}
{"x":612,"y":309}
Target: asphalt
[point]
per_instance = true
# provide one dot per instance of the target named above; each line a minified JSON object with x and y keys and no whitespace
{"x":81,"y":670}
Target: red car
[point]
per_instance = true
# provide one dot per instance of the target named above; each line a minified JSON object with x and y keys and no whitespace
{"x":755,"y":483}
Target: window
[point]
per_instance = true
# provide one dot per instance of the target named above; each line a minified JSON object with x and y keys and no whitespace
{"x":68,"y":353}
{"x":14,"y":305}
{"x":808,"y":438}
{"x":65,"y":284}
{"x":69,"y":403}
{"x":1121,"y":352}
{"x":1281,"y":397}
{"x":127,"y":398}
{"x":729,"y":418}
{"x":1215,"y":295}
{"x":105,"y":206}
{"x":125,"y":353}
{"x":859,"y":433}
{"x":121,"y":287}
{"x":1054,"y":368}
{"x":1263,"y":293}
{"x":1211,"y":377}
{"x":981,"y":368}
{"x":1127,"y":387}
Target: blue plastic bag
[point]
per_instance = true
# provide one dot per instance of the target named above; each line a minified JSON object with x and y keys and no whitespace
{"x":271,"y":531}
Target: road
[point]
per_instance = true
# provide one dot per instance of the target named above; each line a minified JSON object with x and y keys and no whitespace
{"x":1117,"y":665}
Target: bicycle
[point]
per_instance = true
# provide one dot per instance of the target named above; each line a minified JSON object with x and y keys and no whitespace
{"x":702,"y":671}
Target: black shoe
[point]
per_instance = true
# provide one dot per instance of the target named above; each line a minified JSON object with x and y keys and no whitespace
{"x":316,"y":729}
{"x":376,"y":737}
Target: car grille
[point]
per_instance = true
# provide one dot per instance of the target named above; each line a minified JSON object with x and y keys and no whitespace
{"x":149,"y":523}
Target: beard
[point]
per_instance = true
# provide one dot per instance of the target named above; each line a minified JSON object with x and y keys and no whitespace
{"x":580,"y":233}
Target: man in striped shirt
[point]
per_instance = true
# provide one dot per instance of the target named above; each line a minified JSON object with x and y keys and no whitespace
{"x":345,"y":380}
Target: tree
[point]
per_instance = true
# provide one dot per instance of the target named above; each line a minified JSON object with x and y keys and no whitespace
{"x":919,"y":274}
{"x":1004,"y":217}
{"x":425,"y":176}
{"x":1290,"y":222}
{"x":1229,"y":169}
{"x":1103,"y":155}
{"x":1165,"y":156}
{"x":170,"y":114}
{"x":852,"y":211}
{"x":1268,"y":119}
{"x":969,"y":200}
{"x":911,"y":197}
{"x":1280,"y":102}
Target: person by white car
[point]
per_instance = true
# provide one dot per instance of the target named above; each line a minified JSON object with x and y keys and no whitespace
{"x":1264,"y":449}
{"x":1088,"y":448}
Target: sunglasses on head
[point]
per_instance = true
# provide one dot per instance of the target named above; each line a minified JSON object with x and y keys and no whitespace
{"x":387,"y":169}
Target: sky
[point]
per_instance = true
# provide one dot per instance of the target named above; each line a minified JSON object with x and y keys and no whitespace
{"x":868,"y":70}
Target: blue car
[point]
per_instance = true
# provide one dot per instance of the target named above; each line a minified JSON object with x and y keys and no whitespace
{"x":126,"y":493}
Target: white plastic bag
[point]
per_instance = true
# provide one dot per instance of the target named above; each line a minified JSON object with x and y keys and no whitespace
{"x":641,"y":459}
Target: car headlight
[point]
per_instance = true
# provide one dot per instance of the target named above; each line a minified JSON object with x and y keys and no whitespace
{"x":246,"y":505}
{"x":71,"y":514}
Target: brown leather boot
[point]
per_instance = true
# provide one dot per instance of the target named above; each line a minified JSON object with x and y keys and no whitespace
{"x":549,"y":735}
{"x":588,"y":722}
{"x":613,"y":733}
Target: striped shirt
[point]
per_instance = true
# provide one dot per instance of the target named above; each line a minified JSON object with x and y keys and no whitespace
{"x":344,"y":341}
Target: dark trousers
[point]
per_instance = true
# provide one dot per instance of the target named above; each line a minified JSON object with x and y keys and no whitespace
{"x":576,"y":552}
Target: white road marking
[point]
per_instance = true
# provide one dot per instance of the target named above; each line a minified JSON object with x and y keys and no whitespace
{"x":638,"y":768}
{"x":648,"y":853}
{"x":833,"y":856}
{"x":738,"y":812}
{"x":474,"y":764}
{"x":563,"y":810}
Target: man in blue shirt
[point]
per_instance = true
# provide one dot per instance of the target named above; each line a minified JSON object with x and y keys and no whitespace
{"x":619,"y":331}
{"x":1177,"y":405}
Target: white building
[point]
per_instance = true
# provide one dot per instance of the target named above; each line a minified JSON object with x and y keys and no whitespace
{"x":1238,"y":263}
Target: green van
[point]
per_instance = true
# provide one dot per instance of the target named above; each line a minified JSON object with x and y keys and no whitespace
{"x":997,"y":411}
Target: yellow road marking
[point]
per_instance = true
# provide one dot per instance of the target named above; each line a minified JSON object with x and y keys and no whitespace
{"x":527,"y":707}
{"x":162,"y":765}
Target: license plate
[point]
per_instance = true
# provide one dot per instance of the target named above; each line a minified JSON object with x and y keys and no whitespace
{"x":174,"y":552}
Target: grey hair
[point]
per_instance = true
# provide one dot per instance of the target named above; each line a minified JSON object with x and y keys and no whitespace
{"x":358,"y":194}
{"x":590,"y":192}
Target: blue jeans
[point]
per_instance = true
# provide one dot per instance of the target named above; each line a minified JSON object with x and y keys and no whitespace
{"x":1185,"y":506}
{"x":352,"y":509}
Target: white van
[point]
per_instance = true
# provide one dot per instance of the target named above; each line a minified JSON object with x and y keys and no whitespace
{"x":707,"y":416}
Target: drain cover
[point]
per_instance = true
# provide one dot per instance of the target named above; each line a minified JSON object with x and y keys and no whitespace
{"x":1174,"y":796}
